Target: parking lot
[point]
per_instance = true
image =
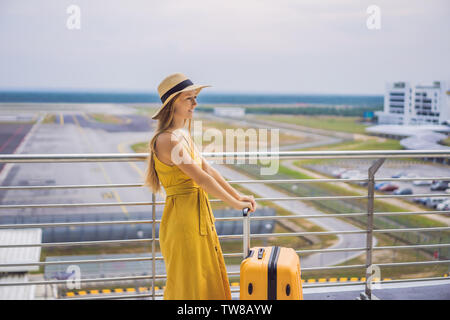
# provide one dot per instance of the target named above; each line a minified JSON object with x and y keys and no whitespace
{"x":358,"y":169}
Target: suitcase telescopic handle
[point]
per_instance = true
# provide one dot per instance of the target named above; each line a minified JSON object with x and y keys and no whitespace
{"x":246,"y":231}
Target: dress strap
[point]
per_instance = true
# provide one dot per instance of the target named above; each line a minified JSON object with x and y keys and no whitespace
{"x":191,"y":149}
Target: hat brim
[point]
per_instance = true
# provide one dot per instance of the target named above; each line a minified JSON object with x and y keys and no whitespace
{"x":198,"y":87}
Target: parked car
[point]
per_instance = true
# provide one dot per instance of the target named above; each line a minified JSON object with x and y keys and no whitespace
{"x":380,"y":184}
{"x":338,"y":172}
{"x":421,"y":182}
{"x":358,"y":176}
{"x":433,"y":202}
{"x":398,"y":175}
{"x":444,"y":205}
{"x":388,"y":187}
{"x":403,"y":191}
{"x":350,"y":173}
{"x":422,"y":201}
{"x":439,"y":186}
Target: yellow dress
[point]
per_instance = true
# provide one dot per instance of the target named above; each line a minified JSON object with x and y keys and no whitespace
{"x":188,"y":240}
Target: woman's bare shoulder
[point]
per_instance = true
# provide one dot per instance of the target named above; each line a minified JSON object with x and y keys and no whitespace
{"x":165,"y":142}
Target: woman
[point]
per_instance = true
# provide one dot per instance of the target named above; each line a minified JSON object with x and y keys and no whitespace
{"x":188,"y":240}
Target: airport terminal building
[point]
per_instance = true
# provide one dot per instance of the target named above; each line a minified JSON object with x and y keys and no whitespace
{"x":417,"y":115}
{"x":415,"y":104}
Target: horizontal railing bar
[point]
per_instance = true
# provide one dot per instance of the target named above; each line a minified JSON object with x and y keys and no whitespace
{"x":112,"y":204}
{"x":126,"y":185}
{"x":409,"y":213}
{"x":116,"y":204}
{"x":49,"y":263}
{"x":334,"y":180}
{"x":411,"y":230}
{"x":355,"y":266}
{"x":412,"y":179}
{"x":257,"y":235}
{"x":238,"y":236}
{"x":55,"y":244}
{"x":414,"y":280}
{"x":417,"y":195}
{"x":136,"y":185}
{"x":229,"y":273}
{"x":337,"y":284}
{"x":110,"y":157}
{"x":291,"y":234}
{"x":303,"y":216}
{"x":420,"y":246}
{"x":77,"y":186}
{"x":69,"y":158}
{"x":110,"y":297}
{"x":332,"y":284}
{"x":32,"y":283}
{"x":401,"y":264}
{"x":225,"y":255}
{"x":76,"y":205}
{"x":337,"y":215}
{"x":297,"y":180}
{"x":90,"y":223}
{"x":330,"y":154}
{"x":300,"y":252}
{"x":237,"y":273}
{"x":328,"y":250}
{"x":70,"y":224}
{"x":77,"y":243}
{"x":253,"y":218}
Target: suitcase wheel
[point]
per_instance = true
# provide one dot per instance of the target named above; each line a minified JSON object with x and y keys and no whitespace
{"x":250,"y":288}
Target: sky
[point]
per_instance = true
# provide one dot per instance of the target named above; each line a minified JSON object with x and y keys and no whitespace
{"x":242,"y":46}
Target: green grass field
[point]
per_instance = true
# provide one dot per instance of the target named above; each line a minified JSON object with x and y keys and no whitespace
{"x":372,"y":144}
{"x":331,"y":123}
{"x":446,"y":142}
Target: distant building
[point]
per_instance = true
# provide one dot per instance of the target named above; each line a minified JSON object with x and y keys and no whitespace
{"x":407,"y":104}
{"x":232,"y":112}
{"x":17,"y":254}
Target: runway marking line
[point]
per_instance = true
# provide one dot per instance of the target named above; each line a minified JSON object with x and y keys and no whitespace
{"x":233,"y":284}
{"x":121,"y":148}
{"x":105,"y":174}
{"x":18,"y":130}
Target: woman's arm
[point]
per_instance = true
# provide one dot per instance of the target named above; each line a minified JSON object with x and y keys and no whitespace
{"x":225,"y":185}
{"x":216,"y":175}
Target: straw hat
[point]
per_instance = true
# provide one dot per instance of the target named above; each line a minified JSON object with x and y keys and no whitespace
{"x":173,"y":84}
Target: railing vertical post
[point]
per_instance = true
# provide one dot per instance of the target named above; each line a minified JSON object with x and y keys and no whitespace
{"x":369,"y":242}
{"x":153,"y":244}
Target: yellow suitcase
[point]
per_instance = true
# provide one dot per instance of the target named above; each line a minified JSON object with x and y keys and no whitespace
{"x":269,"y":273}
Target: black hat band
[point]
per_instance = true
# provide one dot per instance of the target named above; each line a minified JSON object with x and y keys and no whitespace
{"x":183,"y":84}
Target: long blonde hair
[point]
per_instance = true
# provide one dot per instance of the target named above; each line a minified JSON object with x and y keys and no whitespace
{"x":165,"y":121}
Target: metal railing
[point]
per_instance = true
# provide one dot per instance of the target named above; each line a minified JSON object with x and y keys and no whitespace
{"x":379,"y":157}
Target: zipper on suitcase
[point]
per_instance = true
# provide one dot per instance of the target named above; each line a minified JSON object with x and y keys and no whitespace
{"x":272,"y":274}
